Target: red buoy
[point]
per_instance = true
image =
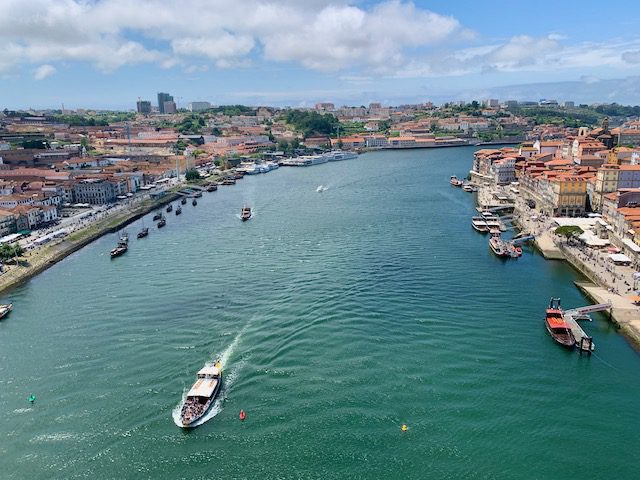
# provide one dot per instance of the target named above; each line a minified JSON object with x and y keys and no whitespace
{"x":242,"y":415}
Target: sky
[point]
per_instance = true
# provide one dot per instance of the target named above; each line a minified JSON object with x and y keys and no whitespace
{"x":108,"y":53}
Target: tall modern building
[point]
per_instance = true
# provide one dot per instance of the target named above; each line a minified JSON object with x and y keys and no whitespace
{"x":170,"y":107}
{"x":162,"y":98}
{"x":144,"y":106}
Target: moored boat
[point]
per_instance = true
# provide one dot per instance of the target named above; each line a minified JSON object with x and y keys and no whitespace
{"x":338,"y":155}
{"x":162,"y":222}
{"x":5,"y":308}
{"x":467,"y":188}
{"x":245,"y":214}
{"x":557,"y":326}
{"x":183,"y":201}
{"x":157,"y":216}
{"x":143,"y":233}
{"x":169,"y":208}
{"x":212,"y":187}
{"x":201,"y":395}
{"x":497,"y":245}
{"x":194,"y":202}
{"x":455,"y":181}
{"x":479,"y":224}
{"x":178,"y":210}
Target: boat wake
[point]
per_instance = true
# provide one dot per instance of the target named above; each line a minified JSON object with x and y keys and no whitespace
{"x":229,"y":378}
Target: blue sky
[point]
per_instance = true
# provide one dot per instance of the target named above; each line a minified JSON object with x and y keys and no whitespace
{"x":107,"y":53}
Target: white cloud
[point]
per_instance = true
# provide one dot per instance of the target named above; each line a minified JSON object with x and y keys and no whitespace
{"x":391,"y":37}
{"x":44,"y":71}
{"x":319,"y":34}
{"x":527,"y":54}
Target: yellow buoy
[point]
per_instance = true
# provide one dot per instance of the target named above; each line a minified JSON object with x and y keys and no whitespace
{"x":404,"y":428}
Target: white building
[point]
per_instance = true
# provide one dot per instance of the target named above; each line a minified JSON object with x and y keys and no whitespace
{"x":199,"y":106}
{"x":504,"y":171}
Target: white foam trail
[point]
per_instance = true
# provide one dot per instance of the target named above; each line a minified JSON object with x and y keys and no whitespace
{"x":319,"y":189}
{"x":227,"y":382}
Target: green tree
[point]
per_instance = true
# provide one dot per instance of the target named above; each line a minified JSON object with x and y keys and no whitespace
{"x":192,"y":174}
{"x":568,"y":231}
{"x":283,"y":145}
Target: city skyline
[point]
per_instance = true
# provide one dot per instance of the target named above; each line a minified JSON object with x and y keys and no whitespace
{"x":106,"y":54}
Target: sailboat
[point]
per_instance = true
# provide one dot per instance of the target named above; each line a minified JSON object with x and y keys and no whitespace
{"x":144,"y":232}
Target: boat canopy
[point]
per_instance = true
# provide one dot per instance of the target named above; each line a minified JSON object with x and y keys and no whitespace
{"x":557,"y":322}
{"x":204,"y":387}
{"x":209,"y":370}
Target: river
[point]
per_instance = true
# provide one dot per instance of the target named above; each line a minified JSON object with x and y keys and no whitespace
{"x":339,"y":315}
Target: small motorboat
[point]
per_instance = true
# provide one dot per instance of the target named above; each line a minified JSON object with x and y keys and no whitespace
{"x":5,"y":308}
{"x":201,"y":395}
{"x":198,"y":194}
{"x":169,"y":208}
{"x":183,"y":201}
{"x":245,"y":214}
{"x":143,"y":233}
{"x":162,"y":222}
{"x":194,"y":202}
{"x":178,"y":210}
{"x":212,"y":187}
{"x":455,"y":181}
{"x":157,"y":216}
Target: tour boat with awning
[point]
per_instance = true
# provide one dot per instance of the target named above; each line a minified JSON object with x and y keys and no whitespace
{"x":201,"y":395}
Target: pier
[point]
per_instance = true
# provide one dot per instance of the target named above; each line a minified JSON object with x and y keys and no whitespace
{"x":584,"y":342}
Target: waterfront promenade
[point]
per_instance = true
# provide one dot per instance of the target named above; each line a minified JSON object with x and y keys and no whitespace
{"x":610,"y":283}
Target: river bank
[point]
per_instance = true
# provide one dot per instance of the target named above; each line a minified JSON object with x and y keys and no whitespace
{"x":37,"y":261}
{"x":602,"y":285}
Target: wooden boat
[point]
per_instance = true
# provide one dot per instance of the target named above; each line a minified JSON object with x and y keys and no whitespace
{"x":556,"y":325}
{"x":194,"y":202}
{"x":169,"y":208}
{"x":121,"y":249}
{"x":143,"y":233}
{"x":162,"y":222}
{"x":201,"y":395}
{"x":157,"y":216}
{"x":245,"y":214}
{"x":178,"y":210}
{"x":183,"y":201}
{"x":5,"y":308}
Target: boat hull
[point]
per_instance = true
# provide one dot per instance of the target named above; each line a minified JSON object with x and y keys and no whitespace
{"x":567,"y":340}
{"x":5,"y":310}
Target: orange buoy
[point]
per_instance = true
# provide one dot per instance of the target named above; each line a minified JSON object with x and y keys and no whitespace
{"x":242,"y":415}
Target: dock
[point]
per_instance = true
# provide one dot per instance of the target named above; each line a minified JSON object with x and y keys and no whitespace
{"x":583,"y":341}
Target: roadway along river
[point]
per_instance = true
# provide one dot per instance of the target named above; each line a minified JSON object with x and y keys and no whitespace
{"x":340,"y":315}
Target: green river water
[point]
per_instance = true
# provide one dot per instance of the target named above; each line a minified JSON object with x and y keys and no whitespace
{"x":339,"y":316}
